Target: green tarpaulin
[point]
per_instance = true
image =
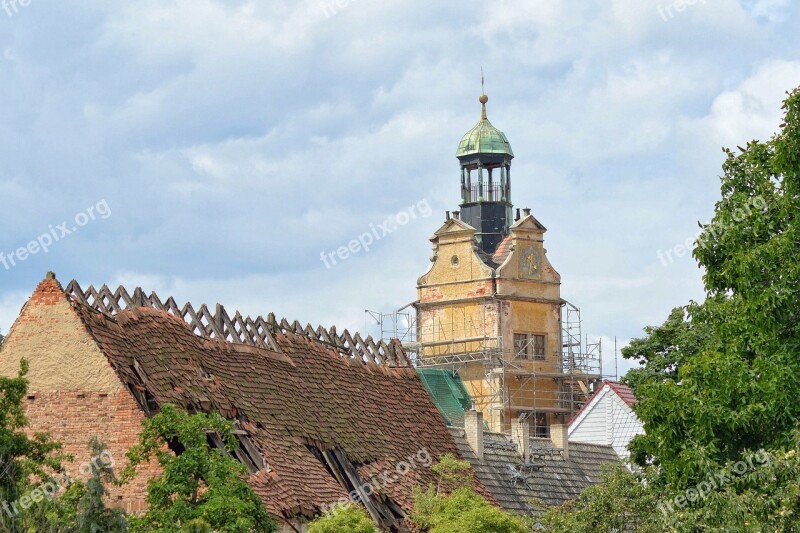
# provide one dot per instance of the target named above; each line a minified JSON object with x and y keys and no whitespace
{"x":448,"y":393}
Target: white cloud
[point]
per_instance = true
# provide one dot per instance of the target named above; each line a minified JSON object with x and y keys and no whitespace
{"x":237,"y":140}
{"x":753,"y":109}
{"x":771,"y":10}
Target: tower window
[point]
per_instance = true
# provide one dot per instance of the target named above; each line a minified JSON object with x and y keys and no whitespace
{"x":529,"y":346}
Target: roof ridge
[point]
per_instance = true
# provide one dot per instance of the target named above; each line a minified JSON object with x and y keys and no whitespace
{"x":258,"y":331}
{"x":625,"y":392}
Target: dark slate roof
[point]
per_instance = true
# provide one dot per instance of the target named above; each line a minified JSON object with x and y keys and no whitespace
{"x":296,"y":403}
{"x":557,"y":480}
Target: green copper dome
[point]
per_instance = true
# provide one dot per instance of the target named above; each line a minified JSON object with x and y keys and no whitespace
{"x":484,"y":138}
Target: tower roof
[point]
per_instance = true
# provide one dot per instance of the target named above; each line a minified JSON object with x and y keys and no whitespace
{"x":484,"y":138}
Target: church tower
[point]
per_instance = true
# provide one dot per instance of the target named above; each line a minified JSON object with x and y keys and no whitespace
{"x":485,"y":156}
{"x":489,"y":308}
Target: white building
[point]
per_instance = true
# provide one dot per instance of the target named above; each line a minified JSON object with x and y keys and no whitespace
{"x":608,"y":419}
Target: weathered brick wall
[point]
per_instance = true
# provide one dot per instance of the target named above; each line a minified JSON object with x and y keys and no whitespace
{"x":74,"y":393}
{"x":73,"y":418}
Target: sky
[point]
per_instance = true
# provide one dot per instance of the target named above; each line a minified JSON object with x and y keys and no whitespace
{"x":214,"y":151}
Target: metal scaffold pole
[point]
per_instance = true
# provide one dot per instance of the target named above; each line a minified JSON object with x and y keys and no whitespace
{"x":515,"y":377}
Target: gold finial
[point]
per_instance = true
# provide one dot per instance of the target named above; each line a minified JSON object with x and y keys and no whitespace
{"x":483,"y":98}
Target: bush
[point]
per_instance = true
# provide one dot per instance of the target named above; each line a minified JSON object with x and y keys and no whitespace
{"x":622,"y":502}
{"x":454,"y":507}
{"x":464,"y":511}
{"x":196,"y":526}
{"x":344,"y":519}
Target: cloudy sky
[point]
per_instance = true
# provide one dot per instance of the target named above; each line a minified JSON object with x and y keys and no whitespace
{"x":213,"y":150}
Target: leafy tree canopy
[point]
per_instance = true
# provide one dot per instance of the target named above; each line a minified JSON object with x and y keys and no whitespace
{"x":620,"y":503}
{"x":25,"y":462}
{"x":662,"y":351}
{"x":199,"y":484}
{"x":454,"y":507}
{"x":92,"y":513}
{"x":344,"y":519}
{"x":757,"y":493}
{"x":726,"y":378}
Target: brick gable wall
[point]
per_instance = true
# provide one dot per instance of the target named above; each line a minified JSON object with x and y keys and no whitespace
{"x":74,"y":393}
{"x":73,"y":418}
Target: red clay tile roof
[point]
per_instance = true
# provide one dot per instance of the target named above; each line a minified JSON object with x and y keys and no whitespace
{"x":622,"y":390}
{"x":295,"y":403}
{"x":503,"y":249}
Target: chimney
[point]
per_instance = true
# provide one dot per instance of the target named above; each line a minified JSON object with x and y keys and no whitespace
{"x":521,"y":436}
{"x":517,"y":218}
{"x":457,"y":215}
{"x":559,"y":436}
{"x":527,"y":211}
{"x":473,"y":426}
{"x":447,"y":215}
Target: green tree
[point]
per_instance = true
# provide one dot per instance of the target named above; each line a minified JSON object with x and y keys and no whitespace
{"x":621,"y":502}
{"x":766,"y":497}
{"x":759,"y":492}
{"x":197,"y":525}
{"x":344,"y":519}
{"x":664,"y":348}
{"x":92,"y":513}
{"x":464,"y":511}
{"x":737,"y":389}
{"x":453,"y":473}
{"x":454,"y":507}
{"x":198,"y":482}
{"x":25,"y":462}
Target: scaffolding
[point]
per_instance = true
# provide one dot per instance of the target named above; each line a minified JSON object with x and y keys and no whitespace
{"x":519,"y":378}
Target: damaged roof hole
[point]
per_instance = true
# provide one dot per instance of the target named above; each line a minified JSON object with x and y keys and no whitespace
{"x":139,"y":371}
{"x":246,"y":453}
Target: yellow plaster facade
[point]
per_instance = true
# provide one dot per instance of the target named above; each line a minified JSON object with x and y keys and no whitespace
{"x":65,"y":358}
{"x":469,"y":309}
